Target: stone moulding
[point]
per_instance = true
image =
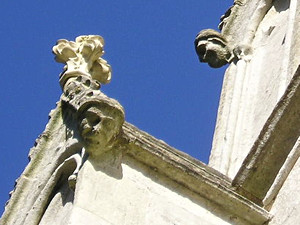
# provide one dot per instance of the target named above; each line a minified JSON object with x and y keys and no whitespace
{"x":192,"y":174}
{"x":87,"y":126}
{"x":274,"y":144}
{"x":52,"y":145}
{"x":176,"y":165}
{"x":251,"y":13}
{"x":274,"y":151}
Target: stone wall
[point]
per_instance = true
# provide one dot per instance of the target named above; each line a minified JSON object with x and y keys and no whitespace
{"x":265,"y":59}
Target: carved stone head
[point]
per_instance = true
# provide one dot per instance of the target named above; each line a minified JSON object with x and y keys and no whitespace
{"x":99,"y":122}
{"x":212,"y":48}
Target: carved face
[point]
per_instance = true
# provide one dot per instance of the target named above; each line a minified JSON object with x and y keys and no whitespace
{"x":212,"y":52}
{"x":99,"y":124}
{"x":212,"y":49}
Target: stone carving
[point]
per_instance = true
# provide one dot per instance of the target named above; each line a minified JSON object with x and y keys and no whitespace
{"x":83,"y":57}
{"x":99,"y":118}
{"x":99,"y":123}
{"x":243,"y":52}
{"x":91,"y":124}
{"x":212,"y":48}
{"x":79,"y":160}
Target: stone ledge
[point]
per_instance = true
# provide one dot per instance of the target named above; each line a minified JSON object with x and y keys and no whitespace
{"x":193,"y":174}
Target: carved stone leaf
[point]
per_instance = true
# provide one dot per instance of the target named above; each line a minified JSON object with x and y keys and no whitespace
{"x":101,"y":71}
{"x":83,"y":57}
{"x":64,"y":50}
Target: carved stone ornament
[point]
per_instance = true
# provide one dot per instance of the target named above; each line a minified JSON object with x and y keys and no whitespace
{"x":212,"y":48}
{"x":96,"y":120}
{"x":83,"y":57}
{"x":99,"y":124}
{"x":99,"y":117}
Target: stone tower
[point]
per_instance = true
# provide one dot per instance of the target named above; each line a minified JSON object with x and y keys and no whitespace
{"x":90,"y":166}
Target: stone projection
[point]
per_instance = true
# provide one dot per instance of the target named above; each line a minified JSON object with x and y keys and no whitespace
{"x":257,"y":131}
{"x":84,"y":126}
{"x":212,"y":48}
{"x":90,"y":166}
{"x":261,"y":37}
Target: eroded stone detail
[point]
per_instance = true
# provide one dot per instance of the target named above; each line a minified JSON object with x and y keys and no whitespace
{"x":79,"y":160}
{"x":224,"y":18}
{"x":99,"y":118}
{"x":83,"y":57}
{"x":212,"y":48}
{"x":99,"y":124}
{"x":243,"y":52}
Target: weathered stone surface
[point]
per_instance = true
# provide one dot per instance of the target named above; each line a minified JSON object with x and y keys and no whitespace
{"x":274,"y":144}
{"x":260,"y":32}
{"x":212,"y":48}
{"x":139,"y":196}
{"x":91,"y":167}
{"x":39,"y":179}
{"x":151,"y":183}
{"x":195,"y":176}
{"x":286,"y":207}
{"x":257,"y":132}
{"x":85,"y":125}
{"x":83,"y":57}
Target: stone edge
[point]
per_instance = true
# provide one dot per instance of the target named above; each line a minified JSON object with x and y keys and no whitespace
{"x":192,"y":174}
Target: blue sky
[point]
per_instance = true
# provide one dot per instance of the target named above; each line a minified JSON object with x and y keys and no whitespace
{"x":156,"y":74}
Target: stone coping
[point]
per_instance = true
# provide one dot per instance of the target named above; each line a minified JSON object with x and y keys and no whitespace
{"x":273,"y":145}
{"x":192,"y":174}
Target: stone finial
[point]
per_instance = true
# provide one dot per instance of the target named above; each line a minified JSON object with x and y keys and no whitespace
{"x":212,"y":48}
{"x":83,"y":57}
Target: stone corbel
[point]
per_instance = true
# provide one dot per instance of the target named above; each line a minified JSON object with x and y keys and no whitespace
{"x":212,"y":48}
{"x":100,"y":124}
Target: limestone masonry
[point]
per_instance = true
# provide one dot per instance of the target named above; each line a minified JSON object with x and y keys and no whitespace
{"x":91,"y":167}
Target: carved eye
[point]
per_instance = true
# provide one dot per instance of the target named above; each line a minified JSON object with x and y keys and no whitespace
{"x":93,"y":119}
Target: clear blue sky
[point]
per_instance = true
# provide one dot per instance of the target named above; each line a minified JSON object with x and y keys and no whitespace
{"x":156,"y":74}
